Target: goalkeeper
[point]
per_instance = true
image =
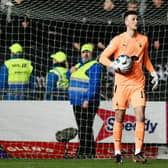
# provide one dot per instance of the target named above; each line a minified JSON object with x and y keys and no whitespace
{"x":129,"y":87}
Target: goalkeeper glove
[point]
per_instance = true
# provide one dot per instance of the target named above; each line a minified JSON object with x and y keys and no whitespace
{"x":114,"y":66}
{"x":120,"y":67}
{"x":154,"y":81}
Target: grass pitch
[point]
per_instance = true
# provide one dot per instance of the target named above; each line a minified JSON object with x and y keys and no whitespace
{"x":62,"y":163}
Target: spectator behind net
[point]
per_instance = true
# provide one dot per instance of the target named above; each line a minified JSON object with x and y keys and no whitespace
{"x":157,"y":10}
{"x":57,"y":78}
{"x":84,"y":94}
{"x":16,"y":79}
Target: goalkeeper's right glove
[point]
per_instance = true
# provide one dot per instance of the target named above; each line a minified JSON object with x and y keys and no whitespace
{"x":154,"y":81}
{"x":120,"y":67}
{"x":114,"y":66}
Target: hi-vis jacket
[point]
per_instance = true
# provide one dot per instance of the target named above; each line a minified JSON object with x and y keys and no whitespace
{"x":16,"y":77}
{"x":62,"y":81}
{"x":57,"y":84}
{"x":85,"y":83}
{"x":19,"y":71}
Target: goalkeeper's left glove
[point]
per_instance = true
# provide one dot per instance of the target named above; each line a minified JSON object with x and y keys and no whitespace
{"x":154,"y":81}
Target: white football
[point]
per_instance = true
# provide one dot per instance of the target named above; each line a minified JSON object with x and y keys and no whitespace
{"x":124,"y":61}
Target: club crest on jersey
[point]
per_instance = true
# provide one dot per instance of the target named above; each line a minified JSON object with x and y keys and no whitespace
{"x":124,"y":45}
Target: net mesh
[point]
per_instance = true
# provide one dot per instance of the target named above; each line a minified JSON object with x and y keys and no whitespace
{"x":43,"y":27}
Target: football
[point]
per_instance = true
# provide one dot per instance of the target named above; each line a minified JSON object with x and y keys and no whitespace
{"x":124,"y":63}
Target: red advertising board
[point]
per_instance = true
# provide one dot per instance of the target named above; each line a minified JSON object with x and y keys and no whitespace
{"x":56,"y":150}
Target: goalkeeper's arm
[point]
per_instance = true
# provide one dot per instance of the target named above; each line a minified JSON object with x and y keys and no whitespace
{"x":105,"y":57}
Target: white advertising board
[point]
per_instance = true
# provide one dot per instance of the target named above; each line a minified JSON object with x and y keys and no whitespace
{"x":40,"y":120}
{"x":155,"y":123}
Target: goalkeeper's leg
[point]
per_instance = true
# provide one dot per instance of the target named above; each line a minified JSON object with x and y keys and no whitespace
{"x":117,"y":133}
{"x":139,"y":134}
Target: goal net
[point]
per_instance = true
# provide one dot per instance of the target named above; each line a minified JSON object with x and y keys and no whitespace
{"x":45,"y":27}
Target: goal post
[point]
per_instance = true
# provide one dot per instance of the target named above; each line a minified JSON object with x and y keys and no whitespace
{"x":45,"y":27}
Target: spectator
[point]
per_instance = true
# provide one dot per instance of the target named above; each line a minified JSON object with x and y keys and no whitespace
{"x":129,"y":88}
{"x":84,"y":94}
{"x":16,"y":79}
{"x":26,"y":22}
{"x":100,"y":45}
{"x":158,"y":44}
{"x":132,"y":5}
{"x":112,"y":11}
{"x":157,"y":36}
{"x":137,"y":5}
{"x":108,"y":5}
{"x":18,"y":1}
{"x":78,"y":45}
{"x":156,"y":10}
{"x":57,"y":78}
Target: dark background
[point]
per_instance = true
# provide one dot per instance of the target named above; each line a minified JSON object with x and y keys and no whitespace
{"x":56,"y":25}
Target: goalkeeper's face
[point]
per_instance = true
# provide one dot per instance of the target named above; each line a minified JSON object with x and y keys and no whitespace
{"x":131,"y":21}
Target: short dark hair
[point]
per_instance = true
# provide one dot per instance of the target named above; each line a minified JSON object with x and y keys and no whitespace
{"x":132,"y":2}
{"x":130,"y":12}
